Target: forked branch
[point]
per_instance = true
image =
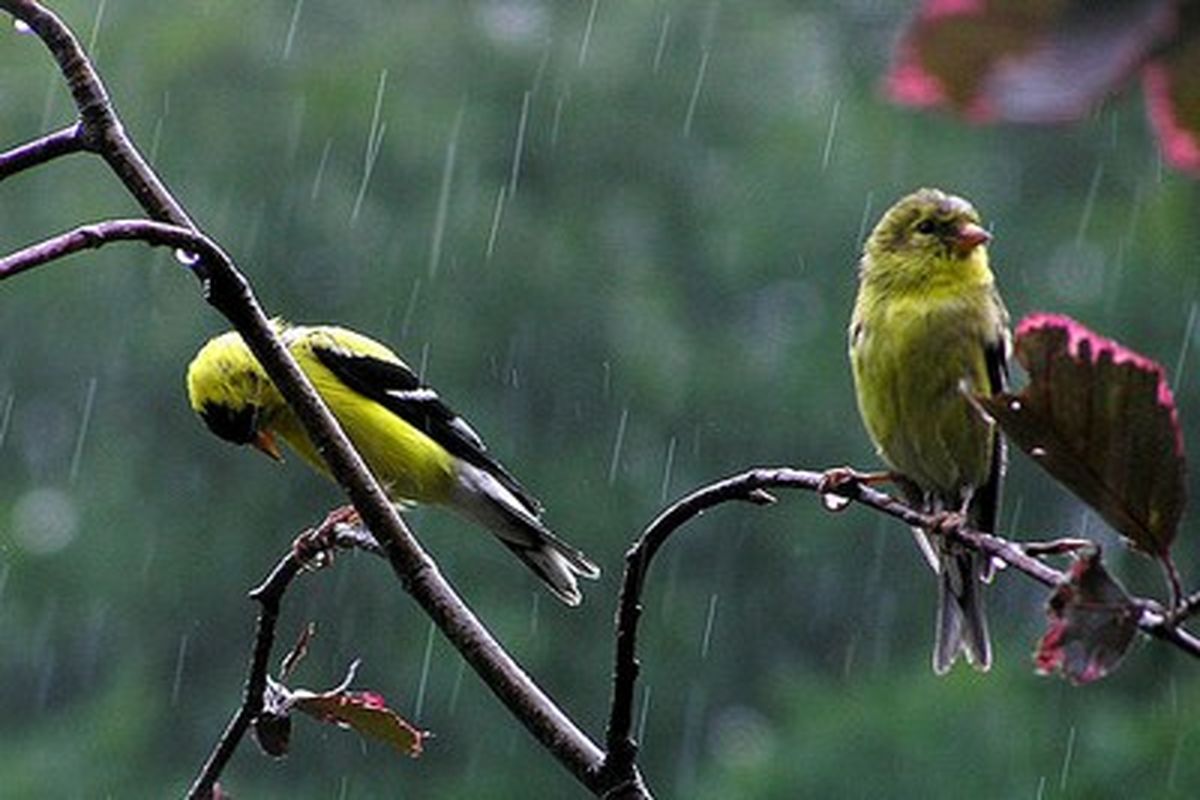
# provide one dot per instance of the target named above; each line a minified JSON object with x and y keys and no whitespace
{"x":230,"y":293}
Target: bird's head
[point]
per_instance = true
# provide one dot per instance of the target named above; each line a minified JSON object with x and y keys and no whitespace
{"x":927,"y":232}
{"x":229,"y":390}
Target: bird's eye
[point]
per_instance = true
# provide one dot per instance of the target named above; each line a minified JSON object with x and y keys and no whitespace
{"x":925,"y":226}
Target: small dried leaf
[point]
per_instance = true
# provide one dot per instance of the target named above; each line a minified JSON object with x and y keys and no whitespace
{"x":1102,"y":420}
{"x":298,"y":652}
{"x":273,"y":725}
{"x":1092,"y":623}
{"x":365,"y":712}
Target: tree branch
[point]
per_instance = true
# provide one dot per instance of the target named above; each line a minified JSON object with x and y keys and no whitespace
{"x":100,"y":129}
{"x":230,"y":293}
{"x":752,"y":487}
{"x":39,"y":151}
{"x":269,"y":594}
{"x":99,"y":234}
{"x":615,"y":775}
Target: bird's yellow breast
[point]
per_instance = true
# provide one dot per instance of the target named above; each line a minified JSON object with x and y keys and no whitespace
{"x":914,"y":354}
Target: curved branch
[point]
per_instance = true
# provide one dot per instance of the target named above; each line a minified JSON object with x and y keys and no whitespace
{"x":752,"y":487}
{"x":99,"y":234}
{"x":622,"y":749}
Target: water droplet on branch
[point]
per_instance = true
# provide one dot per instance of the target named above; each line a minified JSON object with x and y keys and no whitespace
{"x":834,"y":502}
{"x":187,"y":258}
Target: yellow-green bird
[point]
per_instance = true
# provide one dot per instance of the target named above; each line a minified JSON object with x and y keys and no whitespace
{"x":928,"y":330}
{"x":419,"y":450}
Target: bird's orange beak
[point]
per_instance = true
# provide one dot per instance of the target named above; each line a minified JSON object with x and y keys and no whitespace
{"x":969,"y":237}
{"x":264,"y":442}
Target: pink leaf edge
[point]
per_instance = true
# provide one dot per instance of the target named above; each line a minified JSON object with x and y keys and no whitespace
{"x":1180,"y":146}
{"x":952,"y":8}
{"x":1099,"y":346}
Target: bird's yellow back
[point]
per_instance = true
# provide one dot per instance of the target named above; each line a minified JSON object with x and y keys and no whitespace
{"x":409,"y":464}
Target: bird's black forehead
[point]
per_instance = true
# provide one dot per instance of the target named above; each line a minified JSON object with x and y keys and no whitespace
{"x":233,"y":425}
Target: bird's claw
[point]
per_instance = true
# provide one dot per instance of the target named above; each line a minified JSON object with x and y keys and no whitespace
{"x":944,"y":523}
{"x":315,"y":547}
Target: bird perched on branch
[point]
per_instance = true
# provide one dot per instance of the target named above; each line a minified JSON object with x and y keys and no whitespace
{"x":419,"y":450}
{"x":929,"y":331}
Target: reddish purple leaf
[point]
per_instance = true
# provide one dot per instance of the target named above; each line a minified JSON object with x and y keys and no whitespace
{"x":1172,"y":88}
{"x":1024,"y":60}
{"x":365,"y":712}
{"x":1101,"y":419}
{"x":1042,"y":61}
{"x":1092,"y":623}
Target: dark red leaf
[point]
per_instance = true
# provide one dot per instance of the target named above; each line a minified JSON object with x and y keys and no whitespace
{"x":1092,"y":623}
{"x":1101,"y":419}
{"x":1024,"y":60}
{"x":365,"y":712}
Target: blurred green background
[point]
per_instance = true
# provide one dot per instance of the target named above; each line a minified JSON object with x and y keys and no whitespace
{"x":652,"y":294}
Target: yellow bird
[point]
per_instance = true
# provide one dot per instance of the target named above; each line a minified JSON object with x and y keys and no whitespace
{"x":928,"y":330}
{"x":419,"y":450}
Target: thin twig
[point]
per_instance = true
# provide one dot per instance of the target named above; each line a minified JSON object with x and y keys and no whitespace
{"x":1173,"y":580}
{"x":269,"y":594}
{"x":39,"y":151}
{"x":99,"y":234}
{"x":1186,"y":608}
{"x":100,"y":128}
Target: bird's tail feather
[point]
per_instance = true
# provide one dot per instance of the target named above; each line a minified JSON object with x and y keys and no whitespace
{"x":961,"y":621}
{"x":487,"y":501}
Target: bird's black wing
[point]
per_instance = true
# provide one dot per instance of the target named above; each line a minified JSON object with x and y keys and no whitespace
{"x":398,"y":389}
{"x":985,"y":505}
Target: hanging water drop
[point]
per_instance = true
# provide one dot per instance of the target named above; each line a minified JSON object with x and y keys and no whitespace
{"x":834,"y":502}
{"x":186,"y":257}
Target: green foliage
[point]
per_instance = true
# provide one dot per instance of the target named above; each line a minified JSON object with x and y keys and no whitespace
{"x":688,"y":272}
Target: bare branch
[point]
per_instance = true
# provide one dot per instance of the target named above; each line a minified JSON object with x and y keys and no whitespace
{"x":269,"y":594}
{"x":96,"y":235}
{"x":752,"y":487}
{"x":49,"y":147}
{"x":619,"y":763}
{"x":230,"y":293}
{"x":100,"y":129}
